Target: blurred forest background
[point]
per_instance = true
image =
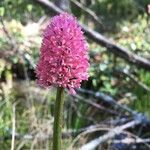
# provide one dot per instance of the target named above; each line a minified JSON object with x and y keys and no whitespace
{"x":112,"y":108}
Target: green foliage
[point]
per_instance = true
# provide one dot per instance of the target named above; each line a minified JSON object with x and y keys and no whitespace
{"x":20,"y":10}
{"x":126,"y":21}
{"x":142,"y":103}
{"x":113,"y":12}
{"x":135,"y":38}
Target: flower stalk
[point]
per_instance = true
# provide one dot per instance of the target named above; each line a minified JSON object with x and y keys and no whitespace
{"x":58,"y":117}
{"x":63,"y":63}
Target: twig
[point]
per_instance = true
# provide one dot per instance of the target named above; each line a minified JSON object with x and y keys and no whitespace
{"x":103,"y":41}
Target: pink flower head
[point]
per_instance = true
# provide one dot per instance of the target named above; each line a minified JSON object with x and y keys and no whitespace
{"x":148,"y":8}
{"x":63,"y":55}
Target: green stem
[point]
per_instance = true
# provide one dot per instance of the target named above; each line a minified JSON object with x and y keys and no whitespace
{"x":58,"y":117}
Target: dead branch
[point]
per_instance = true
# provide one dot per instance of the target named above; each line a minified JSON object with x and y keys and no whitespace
{"x":89,"y":12}
{"x":103,"y":41}
{"x":63,"y":4}
{"x":117,"y":130}
{"x":112,"y":101}
{"x":131,"y":141}
{"x":50,"y":5}
{"x":94,"y":104}
{"x":116,"y":49}
{"x":106,"y":98}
